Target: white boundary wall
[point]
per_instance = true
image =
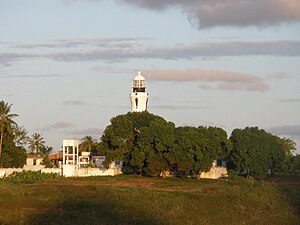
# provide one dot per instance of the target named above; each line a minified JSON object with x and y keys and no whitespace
{"x":68,"y":172}
{"x":214,"y":173}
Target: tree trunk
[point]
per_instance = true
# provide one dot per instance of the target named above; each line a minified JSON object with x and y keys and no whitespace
{"x":1,"y":140}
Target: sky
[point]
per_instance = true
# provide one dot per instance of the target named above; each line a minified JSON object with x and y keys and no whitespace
{"x":66,"y":66}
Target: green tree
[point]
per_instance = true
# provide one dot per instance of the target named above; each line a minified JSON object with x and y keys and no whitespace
{"x":20,"y":135}
{"x":288,"y":148}
{"x":197,"y":148}
{"x":119,"y":137}
{"x":5,"y":122}
{"x":295,"y":168}
{"x":12,"y":155}
{"x":45,"y":152}
{"x":256,"y":152}
{"x":36,"y":143}
{"x":156,"y":141}
{"x":149,"y":145}
{"x":88,"y":144}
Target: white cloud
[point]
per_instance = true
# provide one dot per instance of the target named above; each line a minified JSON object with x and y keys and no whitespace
{"x":74,"y":102}
{"x":58,"y":126}
{"x":176,"y":107}
{"x":290,"y":130}
{"x":212,"y":79}
{"x":290,"y":100}
{"x":238,"y":13}
{"x":89,"y":131}
{"x":116,"y":52}
{"x":31,"y":76}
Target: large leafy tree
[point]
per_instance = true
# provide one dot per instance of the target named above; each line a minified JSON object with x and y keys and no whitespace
{"x":288,"y":149}
{"x":119,"y":137}
{"x":6,"y":121}
{"x":256,"y":152}
{"x":155,"y":142}
{"x":36,"y":143}
{"x":20,"y":135}
{"x":197,"y":148}
{"x":149,"y":145}
{"x":12,"y":155}
{"x":295,"y":165}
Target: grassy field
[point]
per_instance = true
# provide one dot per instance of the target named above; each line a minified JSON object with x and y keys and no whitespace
{"x":142,"y":200}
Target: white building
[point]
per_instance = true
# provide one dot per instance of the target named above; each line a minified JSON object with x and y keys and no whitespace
{"x":139,"y":96}
{"x":70,"y":158}
{"x":84,"y":159}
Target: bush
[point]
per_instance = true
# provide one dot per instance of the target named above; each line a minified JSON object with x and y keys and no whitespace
{"x":29,"y":177}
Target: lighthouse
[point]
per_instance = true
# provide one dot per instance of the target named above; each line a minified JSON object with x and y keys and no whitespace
{"x":139,"y":96}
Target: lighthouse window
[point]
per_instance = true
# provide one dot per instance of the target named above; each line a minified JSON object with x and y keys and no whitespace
{"x":136,"y":103}
{"x":135,"y":83}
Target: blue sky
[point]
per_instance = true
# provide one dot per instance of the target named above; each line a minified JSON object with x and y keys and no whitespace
{"x":67,"y":65}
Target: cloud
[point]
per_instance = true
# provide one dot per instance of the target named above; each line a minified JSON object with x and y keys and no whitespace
{"x":74,"y":102}
{"x":83,"y":42}
{"x":177,"y":107}
{"x":111,"y":69}
{"x":289,"y":130}
{"x":212,"y":79}
{"x":59,"y":126}
{"x":118,"y":53}
{"x":7,"y":57}
{"x":114,"y":52}
{"x":89,"y":131}
{"x":279,"y":75}
{"x":31,"y":76}
{"x":290,"y":100}
{"x":235,"y":13}
{"x":211,"y":49}
{"x":70,"y":129}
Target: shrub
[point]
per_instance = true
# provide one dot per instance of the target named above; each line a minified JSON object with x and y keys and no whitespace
{"x":29,"y":177}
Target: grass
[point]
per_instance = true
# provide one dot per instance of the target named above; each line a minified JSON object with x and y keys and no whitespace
{"x":143,"y":200}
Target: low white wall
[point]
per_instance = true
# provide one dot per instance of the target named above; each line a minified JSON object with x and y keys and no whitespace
{"x":33,"y":168}
{"x":214,"y":173}
{"x":67,"y":171}
{"x":8,"y":171}
{"x":52,"y":170}
{"x":86,"y":172}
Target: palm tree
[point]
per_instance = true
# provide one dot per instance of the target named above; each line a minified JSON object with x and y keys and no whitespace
{"x":36,"y":143}
{"x":87,"y":144}
{"x":45,"y":151}
{"x":5,"y":121}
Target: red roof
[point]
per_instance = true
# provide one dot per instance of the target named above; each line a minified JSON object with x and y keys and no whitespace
{"x":56,"y":156}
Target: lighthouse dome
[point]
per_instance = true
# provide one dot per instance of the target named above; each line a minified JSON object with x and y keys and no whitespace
{"x":139,"y":76}
{"x":139,"y":82}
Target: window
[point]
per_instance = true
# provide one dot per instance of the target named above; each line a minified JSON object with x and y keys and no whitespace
{"x":136,"y":103}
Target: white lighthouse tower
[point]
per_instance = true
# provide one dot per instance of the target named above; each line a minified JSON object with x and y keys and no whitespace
{"x":138,"y":96}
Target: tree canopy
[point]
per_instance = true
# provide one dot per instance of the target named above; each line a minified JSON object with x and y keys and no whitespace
{"x":12,"y":154}
{"x":257,"y":153}
{"x":36,"y":143}
{"x":6,"y":121}
{"x":149,"y":145}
